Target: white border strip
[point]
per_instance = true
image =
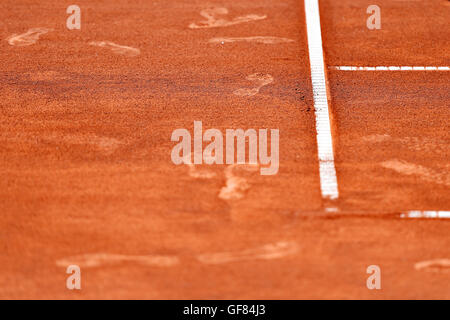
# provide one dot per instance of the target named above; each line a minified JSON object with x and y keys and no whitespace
{"x":328,"y":179}
{"x":426,"y":215}
{"x":391,"y":68}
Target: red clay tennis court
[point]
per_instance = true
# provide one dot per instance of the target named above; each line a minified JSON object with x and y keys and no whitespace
{"x":87,"y":178}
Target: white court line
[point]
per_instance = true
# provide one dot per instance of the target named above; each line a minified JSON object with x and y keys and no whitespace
{"x":328,"y":179}
{"x":389,"y":68}
{"x":426,"y":214}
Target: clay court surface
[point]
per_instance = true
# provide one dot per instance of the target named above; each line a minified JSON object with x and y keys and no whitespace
{"x":86,"y":176}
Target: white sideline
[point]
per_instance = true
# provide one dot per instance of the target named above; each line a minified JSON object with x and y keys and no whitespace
{"x":426,"y":214}
{"x":390,"y":68}
{"x":328,"y":179}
